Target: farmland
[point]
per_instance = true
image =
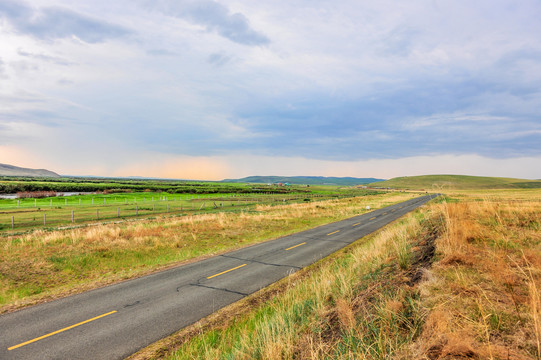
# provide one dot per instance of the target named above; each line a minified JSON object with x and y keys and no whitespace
{"x":116,"y":200}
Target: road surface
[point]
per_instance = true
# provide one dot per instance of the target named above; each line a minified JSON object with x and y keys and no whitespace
{"x":116,"y":321}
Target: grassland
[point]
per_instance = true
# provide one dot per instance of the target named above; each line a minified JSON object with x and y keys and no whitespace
{"x":18,"y":215}
{"x":458,"y":279}
{"x":46,"y":264}
{"x":452,"y":182}
{"x":118,"y":199}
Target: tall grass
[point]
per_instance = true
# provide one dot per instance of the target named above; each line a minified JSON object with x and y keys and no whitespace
{"x":353,"y":306}
{"x":484,"y":290}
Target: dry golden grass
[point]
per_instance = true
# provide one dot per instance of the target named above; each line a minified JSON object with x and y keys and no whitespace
{"x":484,"y":290}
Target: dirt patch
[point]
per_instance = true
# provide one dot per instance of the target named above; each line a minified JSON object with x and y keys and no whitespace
{"x":422,"y":257}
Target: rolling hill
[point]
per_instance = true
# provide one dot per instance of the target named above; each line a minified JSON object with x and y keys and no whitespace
{"x":461,"y":182}
{"x":305,"y":180}
{"x":10,"y":170}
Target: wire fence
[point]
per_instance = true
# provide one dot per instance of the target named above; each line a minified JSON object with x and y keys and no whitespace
{"x":58,"y":214}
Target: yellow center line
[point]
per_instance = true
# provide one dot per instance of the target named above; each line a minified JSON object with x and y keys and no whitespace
{"x":356,"y":224}
{"x":372,"y":218}
{"x":384,"y":213}
{"x":293,"y":247}
{"x":334,"y":232}
{"x":223,"y":272}
{"x":59,"y":331}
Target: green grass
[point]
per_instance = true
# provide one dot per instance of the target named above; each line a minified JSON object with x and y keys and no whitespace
{"x":10,"y":184}
{"x":58,"y":211}
{"x":126,"y":198}
{"x":446,"y":182}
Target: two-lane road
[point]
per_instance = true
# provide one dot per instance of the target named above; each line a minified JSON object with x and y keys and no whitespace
{"x":118,"y":320}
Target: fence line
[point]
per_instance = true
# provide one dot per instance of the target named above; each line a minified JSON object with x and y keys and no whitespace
{"x":81,"y":214}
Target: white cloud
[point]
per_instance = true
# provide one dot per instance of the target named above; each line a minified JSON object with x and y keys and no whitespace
{"x":304,"y":81}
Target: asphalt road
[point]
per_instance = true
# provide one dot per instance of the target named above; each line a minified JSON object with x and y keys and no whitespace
{"x":115,"y":321}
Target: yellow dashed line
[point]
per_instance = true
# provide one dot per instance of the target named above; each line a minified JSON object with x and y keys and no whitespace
{"x":59,"y":331}
{"x":334,"y":232}
{"x":223,"y":272}
{"x":293,"y":247}
{"x":356,"y":224}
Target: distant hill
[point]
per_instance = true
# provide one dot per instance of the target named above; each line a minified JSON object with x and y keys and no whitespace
{"x":10,"y":170}
{"x":304,"y":180}
{"x":460,"y":182}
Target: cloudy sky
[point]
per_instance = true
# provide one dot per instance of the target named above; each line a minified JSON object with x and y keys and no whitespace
{"x":205,"y":89}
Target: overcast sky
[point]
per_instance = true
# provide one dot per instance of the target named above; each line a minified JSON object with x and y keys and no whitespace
{"x":209,"y":89}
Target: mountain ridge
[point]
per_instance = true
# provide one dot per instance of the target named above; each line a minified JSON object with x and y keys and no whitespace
{"x":305,"y":180}
{"x":441,"y":182}
{"x":12,"y":170}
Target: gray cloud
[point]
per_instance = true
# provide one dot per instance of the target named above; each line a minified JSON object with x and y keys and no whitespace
{"x":235,"y":27}
{"x":51,"y":23}
{"x":218,"y":59}
{"x":161,"y":52}
{"x":431,"y":116}
{"x":214,"y":17}
{"x":47,"y":58}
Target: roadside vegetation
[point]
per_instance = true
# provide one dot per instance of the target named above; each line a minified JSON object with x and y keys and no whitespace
{"x":44,"y":264}
{"x":458,"y":279}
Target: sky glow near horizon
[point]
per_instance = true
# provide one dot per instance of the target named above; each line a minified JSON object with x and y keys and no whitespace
{"x":209,"y":89}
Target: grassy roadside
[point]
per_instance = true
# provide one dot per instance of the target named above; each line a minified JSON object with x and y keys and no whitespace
{"x":457,"y":279}
{"x":43,"y":265}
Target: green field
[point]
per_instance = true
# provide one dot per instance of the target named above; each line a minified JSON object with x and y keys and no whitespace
{"x":11,"y":185}
{"x":18,"y":215}
{"x":459,"y":182}
{"x":118,"y":199}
